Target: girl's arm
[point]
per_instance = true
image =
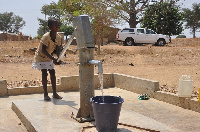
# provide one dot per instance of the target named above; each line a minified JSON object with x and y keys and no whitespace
{"x":58,"y":50}
{"x":44,"y":50}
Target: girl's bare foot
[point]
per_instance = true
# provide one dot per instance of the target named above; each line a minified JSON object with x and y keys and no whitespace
{"x":46,"y":97}
{"x":57,"y":96}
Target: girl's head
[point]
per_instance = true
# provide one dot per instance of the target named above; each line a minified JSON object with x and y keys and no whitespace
{"x":53,"y":25}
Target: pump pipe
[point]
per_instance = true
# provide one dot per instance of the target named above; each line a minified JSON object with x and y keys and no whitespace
{"x":99,"y":64}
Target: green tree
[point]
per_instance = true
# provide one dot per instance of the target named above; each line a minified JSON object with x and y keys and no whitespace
{"x":50,"y":11}
{"x":164,"y":19}
{"x":192,"y":18}
{"x":131,"y":11}
{"x":100,"y":15}
{"x":68,"y":30}
{"x":9,"y":22}
{"x":71,"y":8}
{"x":106,"y":13}
{"x":43,"y":28}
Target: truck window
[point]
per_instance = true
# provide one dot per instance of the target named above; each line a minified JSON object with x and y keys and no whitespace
{"x":150,"y":31}
{"x":140,"y":30}
{"x":128,"y":30}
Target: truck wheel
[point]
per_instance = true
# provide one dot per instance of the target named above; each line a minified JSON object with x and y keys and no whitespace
{"x":129,"y":42}
{"x":160,"y":42}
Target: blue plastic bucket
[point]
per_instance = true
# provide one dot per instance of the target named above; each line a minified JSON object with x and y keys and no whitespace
{"x":106,"y":112}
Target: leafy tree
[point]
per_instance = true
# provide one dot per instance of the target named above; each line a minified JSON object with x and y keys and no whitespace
{"x":101,"y":17}
{"x":71,"y":8}
{"x":164,"y":19}
{"x":50,"y":11}
{"x":192,"y":18}
{"x":105,"y":13}
{"x":10,"y":22}
{"x":68,"y":30}
{"x":131,"y":11}
{"x":43,"y":27}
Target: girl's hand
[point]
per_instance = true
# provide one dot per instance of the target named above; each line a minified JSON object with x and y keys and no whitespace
{"x":55,"y":62}
{"x":58,"y":63}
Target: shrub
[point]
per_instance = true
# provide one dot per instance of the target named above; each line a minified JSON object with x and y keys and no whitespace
{"x":181,"y":36}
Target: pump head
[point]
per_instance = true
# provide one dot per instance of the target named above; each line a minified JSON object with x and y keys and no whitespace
{"x":83,"y":32}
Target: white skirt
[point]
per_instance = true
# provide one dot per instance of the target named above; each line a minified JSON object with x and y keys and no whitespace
{"x":43,"y":65}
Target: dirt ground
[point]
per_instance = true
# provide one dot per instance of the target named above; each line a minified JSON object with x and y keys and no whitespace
{"x":164,"y":64}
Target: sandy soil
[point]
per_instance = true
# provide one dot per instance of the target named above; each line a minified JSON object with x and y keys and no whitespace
{"x":163,"y":64}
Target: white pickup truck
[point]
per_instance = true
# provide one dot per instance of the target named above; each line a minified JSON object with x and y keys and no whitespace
{"x":134,"y":36}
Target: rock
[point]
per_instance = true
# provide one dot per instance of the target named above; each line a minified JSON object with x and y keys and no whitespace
{"x":131,"y":64}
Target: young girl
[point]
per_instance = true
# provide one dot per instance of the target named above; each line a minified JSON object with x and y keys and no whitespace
{"x":43,"y":60}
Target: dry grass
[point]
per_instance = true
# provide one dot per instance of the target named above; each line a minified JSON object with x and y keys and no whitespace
{"x":17,"y":48}
{"x":185,"y":42}
{"x":14,"y":51}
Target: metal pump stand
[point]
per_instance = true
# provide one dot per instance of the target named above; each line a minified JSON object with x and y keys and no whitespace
{"x":85,"y":43}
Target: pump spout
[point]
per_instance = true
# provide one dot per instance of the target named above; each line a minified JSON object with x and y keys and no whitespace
{"x":99,"y":64}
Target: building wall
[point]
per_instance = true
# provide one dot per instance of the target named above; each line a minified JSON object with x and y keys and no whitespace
{"x":13,"y":37}
{"x":111,"y":35}
{"x":3,"y":37}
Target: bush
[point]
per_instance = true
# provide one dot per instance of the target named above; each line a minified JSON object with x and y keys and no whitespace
{"x":38,"y":37}
{"x":181,"y":36}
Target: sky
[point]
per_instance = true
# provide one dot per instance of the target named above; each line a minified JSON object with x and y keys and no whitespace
{"x":30,"y":11}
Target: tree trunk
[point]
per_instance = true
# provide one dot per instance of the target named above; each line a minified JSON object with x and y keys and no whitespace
{"x":132,"y":14}
{"x":132,"y":20}
{"x":98,"y":50}
{"x":98,"y":43}
{"x":194,"y":33}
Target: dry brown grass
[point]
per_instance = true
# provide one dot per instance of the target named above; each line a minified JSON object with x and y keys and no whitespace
{"x":185,"y":42}
{"x":16,"y":48}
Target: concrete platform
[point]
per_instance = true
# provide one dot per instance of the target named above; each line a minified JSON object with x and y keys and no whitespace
{"x":136,"y":115}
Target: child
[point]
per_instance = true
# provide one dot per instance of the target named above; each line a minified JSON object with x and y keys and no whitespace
{"x":43,"y":59}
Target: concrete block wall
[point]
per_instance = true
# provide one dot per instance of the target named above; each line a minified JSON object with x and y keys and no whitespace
{"x":135,"y":84}
{"x":67,"y":83}
{"x":108,"y":81}
{"x":3,"y":88}
{"x":150,"y":87}
{"x":171,"y":98}
{"x":71,"y":83}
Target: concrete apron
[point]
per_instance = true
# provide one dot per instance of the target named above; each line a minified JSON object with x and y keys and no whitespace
{"x":136,"y":115}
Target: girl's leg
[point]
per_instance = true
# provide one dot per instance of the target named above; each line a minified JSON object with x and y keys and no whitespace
{"x":44,"y":83}
{"x":53,"y":82}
